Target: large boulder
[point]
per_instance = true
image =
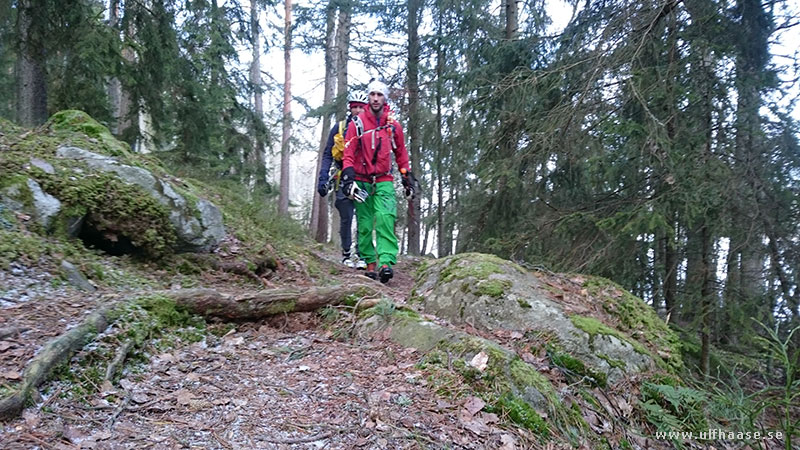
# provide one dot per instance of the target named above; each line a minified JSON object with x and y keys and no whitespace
{"x":587,"y":321}
{"x":198,"y":223}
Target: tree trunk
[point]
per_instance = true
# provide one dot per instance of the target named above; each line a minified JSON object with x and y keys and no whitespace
{"x":283,"y":198}
{"x":511,"y":19}
{"x":442,"y":247}
{"x":342,"y":58}
{"x":257,"y":157}
{"x":31,"y":71}
{"x":114,"y":88}
{"x":414,"y":11}
{"x":319,"y":211}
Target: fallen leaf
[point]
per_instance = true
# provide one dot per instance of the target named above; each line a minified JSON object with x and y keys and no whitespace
{"x":473,"y":405}
{"x":140,"y":397}
{"x":516,"y":335}
{"x":625,"y":407}
{"x":12,"y":375}
{"x":477,"y":427}
{"x":192,"y":377}
{"x":5,"y":345}
{"x":31,"y":419}
{"x":240,"y":402}
{"x":107,"y":389}
{"x":126,"y":384}
{"x":303,"y":369}
{"x":221,"y":401}
{"x":507,"y":442}
{"x":102,"y":435}
{"x":185,"y":397}
{"x":480,"y":361}
{"x":489,"y":418}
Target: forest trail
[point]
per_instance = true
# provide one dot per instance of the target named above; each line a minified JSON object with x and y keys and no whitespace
{"x":290,"y":381}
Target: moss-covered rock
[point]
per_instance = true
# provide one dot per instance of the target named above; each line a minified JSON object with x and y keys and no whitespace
{"x":75,"y":121}
{"x":490,"y":293}
{"x":508,"y":384}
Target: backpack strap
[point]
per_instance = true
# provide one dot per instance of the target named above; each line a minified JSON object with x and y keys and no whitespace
{"x":359,"y":126}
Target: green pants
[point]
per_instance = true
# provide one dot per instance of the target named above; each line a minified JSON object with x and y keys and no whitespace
{"x":377,"y":213}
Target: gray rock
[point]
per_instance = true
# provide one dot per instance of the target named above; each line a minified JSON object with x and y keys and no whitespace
{"x":45,"y":205}
{"x":75,"y":277}
{"x":44,"y":165}
{"x":457,"y":289}
{"x":30,"y":199}
{"x":198,"y":226}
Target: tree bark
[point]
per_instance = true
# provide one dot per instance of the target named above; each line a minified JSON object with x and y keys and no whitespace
{"x":114,"y":87}
{"x":319,"y":211}
{"x":31,"y":72}
{"x":257,"y":157}
{"x":283,"y":197}
{"x":208,"y":302}
{"x":442,"y":246}
{"x":511,"y":19}
{"x":414,"y":11}
{"x":342,"y":59}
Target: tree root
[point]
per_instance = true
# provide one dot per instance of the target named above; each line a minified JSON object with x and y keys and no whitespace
{"x":119,"y":358}
{"x":54,"y":353}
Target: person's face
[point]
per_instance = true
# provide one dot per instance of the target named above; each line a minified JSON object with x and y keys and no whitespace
{"x":356,"y":108}
{"x":376,"y":101}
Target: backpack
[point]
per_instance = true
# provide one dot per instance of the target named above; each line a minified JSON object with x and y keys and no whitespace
{"x":338,"y":142}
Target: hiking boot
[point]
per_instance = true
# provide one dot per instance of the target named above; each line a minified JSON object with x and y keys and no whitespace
{"x":385,"y":274}
{"x":348,"y":262}
{"x":361,"y":264}
{"x":371,"y":271}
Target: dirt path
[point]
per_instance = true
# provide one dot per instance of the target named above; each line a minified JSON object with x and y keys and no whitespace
{"x":282,"y":383}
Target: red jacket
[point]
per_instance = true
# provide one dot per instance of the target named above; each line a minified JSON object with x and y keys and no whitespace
{"x":368,"y":161}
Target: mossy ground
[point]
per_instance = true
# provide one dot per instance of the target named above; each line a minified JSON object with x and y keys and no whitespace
{"x":153,"y":324}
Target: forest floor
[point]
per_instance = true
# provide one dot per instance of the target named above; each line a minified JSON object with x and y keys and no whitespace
{"x":290,"y":381}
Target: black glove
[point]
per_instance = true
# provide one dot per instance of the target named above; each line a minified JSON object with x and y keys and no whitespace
{"x":409,"y":184}
{"x":348,"y":181}
{"x":322,"y":188}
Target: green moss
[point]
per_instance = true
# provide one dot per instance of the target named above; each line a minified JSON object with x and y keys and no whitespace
{"x":492,"y":288}
{"x":576,"y":367}
{"x":80,"y":122}
{"x":638,"y":320}
{"x":475,"y":265}
{"x":593,"y":327}
{"x":520,"y":412}
{"x":523,"y":304}
{"x":113,"y":207}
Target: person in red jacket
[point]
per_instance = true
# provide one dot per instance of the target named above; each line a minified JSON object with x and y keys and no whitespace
{"x":367,"y":168}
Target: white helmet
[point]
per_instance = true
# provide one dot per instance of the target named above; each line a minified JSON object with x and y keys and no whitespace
{"x":358,"y":97}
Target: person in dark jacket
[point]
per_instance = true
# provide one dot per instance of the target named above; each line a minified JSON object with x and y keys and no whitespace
{"x":371,"y":138}
{"x":327,"y":181}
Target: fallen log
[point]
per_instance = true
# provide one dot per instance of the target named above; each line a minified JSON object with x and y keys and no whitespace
{"x":208,"y":302}
{"x":52,"y":354}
